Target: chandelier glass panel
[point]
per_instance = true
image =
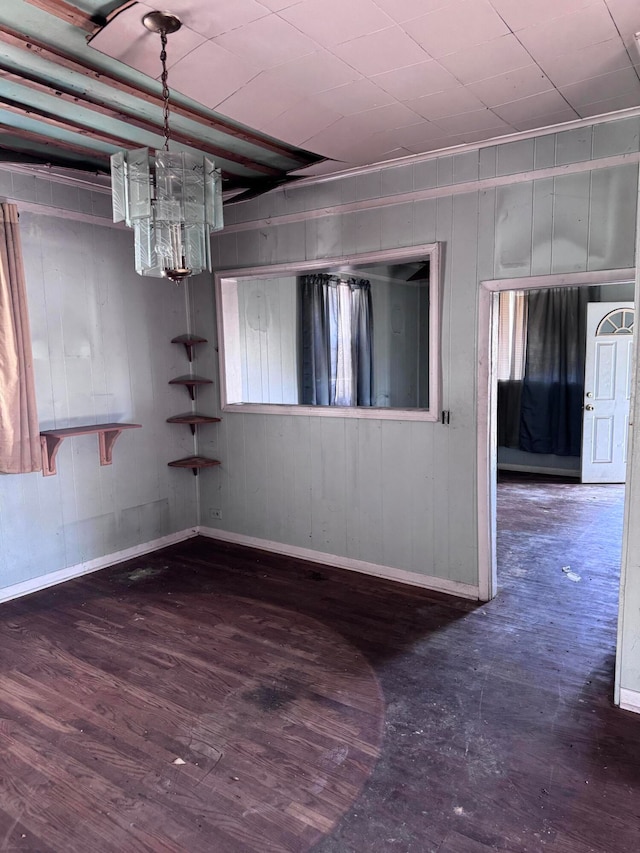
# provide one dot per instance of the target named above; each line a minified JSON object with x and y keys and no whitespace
{"x":171,"y":199}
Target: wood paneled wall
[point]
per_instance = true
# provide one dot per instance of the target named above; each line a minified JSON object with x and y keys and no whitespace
{"x":403,"y":494}
{"x":101,"y":344}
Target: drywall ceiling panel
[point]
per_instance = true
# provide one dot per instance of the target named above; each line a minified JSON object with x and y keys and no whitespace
{"x":313,"y":73}
{"x":258,"y":103}
{"x":609,"y":105}
{"x":497,"y":56}
{"x":268,"y":41}
{"x":406,"y":84}
{"x":225,"y":74}
{"x":384,"y":50}
{"x":406,"y":10}
{"x":456,"y":27}
{"x":449,"y":103}
{"x":475,"y":120}
{"x":524,"y":111}
{"x":355,"y":97}
{"x":624,"y":82}
{"x":582,"y":28}
{"x":520,"y":15}
{"x":592,"y":61}
{"x":333,"y":22}
{"x":510,"y":86}
{"x":304,"y":119}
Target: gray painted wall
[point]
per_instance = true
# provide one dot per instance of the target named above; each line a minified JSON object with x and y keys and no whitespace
{"x":101,"y":344}
{"x":403,"y":494}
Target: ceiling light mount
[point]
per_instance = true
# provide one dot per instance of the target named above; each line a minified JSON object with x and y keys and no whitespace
{"x":171,"y":199}
{"x":162,"y":22}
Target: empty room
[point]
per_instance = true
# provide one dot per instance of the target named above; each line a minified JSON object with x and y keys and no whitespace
{"x":318,"y":479}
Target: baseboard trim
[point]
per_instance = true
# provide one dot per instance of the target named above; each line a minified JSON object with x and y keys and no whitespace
{"x":53,"y":578}
{"x":630,"y":700}
{"x":462,"y":590}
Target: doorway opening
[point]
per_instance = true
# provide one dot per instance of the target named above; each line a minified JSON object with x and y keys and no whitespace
{"x":563,"y":373}
{"x":488,"y":315}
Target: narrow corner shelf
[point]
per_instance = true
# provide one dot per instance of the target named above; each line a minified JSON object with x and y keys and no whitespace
{"x":51,"y":439}
{"x":189,"y":341}
{"x":194,"y":462}
{"x":190,"y":383}
{"x":193,"y":419}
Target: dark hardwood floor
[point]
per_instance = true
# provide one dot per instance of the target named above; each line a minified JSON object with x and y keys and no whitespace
{"x":214,"y":698}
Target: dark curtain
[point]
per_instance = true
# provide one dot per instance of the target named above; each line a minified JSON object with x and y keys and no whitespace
{"x":509,"y":406}
{"x":332,"y":320}
{"x":553,"y":385}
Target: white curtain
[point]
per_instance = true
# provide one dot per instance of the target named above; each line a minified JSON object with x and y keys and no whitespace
{"x":336,"y":341}
{"x":512,"y":335}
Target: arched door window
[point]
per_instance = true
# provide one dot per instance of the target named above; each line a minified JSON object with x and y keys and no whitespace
{"x":618,"y":322}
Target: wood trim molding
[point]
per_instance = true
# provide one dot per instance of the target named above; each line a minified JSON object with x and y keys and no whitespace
{"x":462,"y":590}
{"x":563,"y":279}
{"x":62,"y":213}
{"x":436,"y":192}
{"x":628,"y":560}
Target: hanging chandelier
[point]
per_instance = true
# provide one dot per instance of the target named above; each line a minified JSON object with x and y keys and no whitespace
{"x":171,"y":199}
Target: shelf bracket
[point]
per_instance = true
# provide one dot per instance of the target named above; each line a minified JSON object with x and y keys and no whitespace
{"x":106,"y":440}
{"x":189,"y":341}
{"x":50,"y":441}
{"x":49,"y":445}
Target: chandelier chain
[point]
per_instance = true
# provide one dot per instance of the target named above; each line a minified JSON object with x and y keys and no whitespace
{"x":165,"y":88}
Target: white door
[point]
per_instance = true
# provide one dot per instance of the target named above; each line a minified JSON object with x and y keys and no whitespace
{"x":607,"y":388}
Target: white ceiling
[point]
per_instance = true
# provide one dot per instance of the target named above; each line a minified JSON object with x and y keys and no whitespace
{"x":360,"y":81}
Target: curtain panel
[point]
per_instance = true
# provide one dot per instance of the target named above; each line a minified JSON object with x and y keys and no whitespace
{"x":19,"y":429}
{"x":553,"y":386}
{"x":336,"y":321}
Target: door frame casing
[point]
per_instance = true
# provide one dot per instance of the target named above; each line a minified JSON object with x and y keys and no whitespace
{"x":487,"y":401}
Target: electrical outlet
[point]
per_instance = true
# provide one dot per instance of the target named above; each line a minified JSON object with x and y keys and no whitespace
{"x":216,"y":513}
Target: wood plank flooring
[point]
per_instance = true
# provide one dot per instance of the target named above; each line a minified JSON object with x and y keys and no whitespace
{"x":319,"y":709}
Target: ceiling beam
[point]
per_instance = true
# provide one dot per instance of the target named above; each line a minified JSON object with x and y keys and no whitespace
{"x":54,"y":144}
{"x":64,"y":60}
{"x":66,"y":12}
{"x":97,"y":105}
{"x":15,"y":107}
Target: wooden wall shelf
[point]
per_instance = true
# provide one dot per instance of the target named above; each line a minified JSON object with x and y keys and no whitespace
{"x":190,"y":383}
{"x":51,"y":439}
{"x":189,"y":341}
{"x":193,"y":419}
{"x":194,"y":462}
